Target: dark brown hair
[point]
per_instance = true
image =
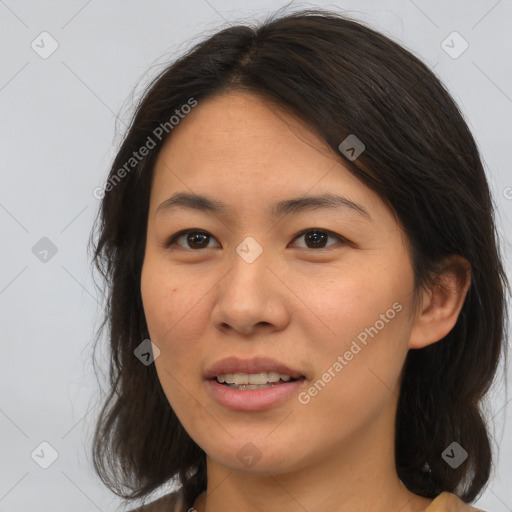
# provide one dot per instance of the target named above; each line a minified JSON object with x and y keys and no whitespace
{"x":341,"y":78}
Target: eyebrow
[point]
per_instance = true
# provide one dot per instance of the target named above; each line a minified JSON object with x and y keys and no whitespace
{"x":288,"y":206}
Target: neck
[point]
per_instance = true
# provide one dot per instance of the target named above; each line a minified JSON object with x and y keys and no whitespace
{"x":347,"y":479}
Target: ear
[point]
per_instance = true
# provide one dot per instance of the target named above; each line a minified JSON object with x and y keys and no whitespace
{"x":441,"y":303}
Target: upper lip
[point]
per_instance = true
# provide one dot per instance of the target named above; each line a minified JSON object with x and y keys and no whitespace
{"x":254,"y":365}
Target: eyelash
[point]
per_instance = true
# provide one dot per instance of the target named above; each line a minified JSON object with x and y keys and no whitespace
{"x":174,"y":238}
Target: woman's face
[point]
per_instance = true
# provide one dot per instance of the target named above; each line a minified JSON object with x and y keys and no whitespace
{"x":321,"y":291}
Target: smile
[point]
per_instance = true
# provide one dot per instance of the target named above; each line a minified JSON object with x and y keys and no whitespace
{"x":247,"y":380}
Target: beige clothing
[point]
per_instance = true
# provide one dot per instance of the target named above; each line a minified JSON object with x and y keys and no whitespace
{"x":445,"y":502}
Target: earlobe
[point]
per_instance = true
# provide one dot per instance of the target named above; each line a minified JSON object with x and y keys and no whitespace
{"x":441,"y":303}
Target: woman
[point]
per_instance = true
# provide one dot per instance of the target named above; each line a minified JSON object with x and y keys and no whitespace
{"x":306,"y":301}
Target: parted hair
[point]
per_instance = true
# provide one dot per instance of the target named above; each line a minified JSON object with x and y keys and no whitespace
{"x":341,"y":78}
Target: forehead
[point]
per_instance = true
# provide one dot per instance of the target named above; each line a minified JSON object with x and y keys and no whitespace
{"x":248,"y":153}
{"x":243,"y":129}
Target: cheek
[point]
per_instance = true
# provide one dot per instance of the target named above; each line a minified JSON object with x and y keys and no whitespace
{"x":347,"y":301}
{"x":175,"y":313}
{"x":165,"y":303}
{"x":358,"y":371}
{"x":170,"y":303}
{"x":364,"y":321}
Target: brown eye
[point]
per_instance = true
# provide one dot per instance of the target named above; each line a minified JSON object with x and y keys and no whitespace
{"x":191,"y":240}
{"x":197,"y":240}
{"x":317,"y":238}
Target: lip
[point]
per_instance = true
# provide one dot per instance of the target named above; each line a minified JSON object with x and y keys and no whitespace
{"x":253,"y":365}
{"x":253,"y":399}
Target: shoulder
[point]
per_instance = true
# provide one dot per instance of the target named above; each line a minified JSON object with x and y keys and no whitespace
{"x":172,"y":502}
{"x":448,"y":502}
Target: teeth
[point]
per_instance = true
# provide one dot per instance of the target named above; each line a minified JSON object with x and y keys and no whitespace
{"x":250,"y":386}
{"x":240,"y":378}
{"x":252,"y":378}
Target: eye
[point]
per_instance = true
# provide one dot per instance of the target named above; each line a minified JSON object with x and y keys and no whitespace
{"x":317,"y":238}
{"x":192,"y":239}
{"x":196,"y":239}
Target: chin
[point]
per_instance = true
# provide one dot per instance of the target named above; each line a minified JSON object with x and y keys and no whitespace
{"x":257,"y":457}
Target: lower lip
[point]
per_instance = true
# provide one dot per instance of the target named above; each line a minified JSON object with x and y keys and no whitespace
{"x":253,"y":399}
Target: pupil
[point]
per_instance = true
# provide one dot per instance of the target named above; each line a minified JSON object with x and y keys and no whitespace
{"x":192,"y":239}
{"x":314,"y":236}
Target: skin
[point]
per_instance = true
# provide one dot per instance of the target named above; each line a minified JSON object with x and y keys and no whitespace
{"x":296,"y":303}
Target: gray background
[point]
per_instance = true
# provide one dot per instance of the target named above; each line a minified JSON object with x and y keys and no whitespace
{"x":61,"y":120}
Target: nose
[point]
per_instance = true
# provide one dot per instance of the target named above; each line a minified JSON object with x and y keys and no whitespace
{"x":251,"y":298}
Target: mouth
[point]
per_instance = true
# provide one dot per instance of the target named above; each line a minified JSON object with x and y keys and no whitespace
{"x":252,"y":384}
{"x":256,"y":371}
{"x":251,"y":381}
